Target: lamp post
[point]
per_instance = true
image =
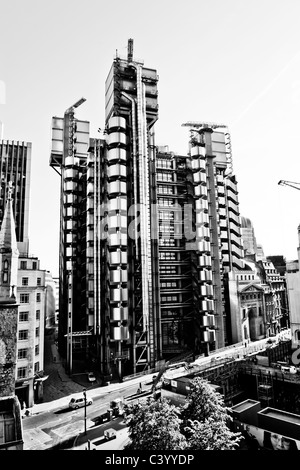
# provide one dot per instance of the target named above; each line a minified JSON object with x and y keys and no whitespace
{"x":84,"y":394}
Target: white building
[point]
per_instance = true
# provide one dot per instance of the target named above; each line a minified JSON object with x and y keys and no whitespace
{"x":31,"y":295}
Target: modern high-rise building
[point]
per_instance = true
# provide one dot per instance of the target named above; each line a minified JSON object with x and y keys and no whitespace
{"x":148,"y":237}
{"x":15,"y":166}
{"x":248,"y":236}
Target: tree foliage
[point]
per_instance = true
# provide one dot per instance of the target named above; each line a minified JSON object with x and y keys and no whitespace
{"x":201,"y":424}
{"x":204,"y":402}
{"x":155,"y":425}
{"x":205,"y":419}
{"x":210,"y":435}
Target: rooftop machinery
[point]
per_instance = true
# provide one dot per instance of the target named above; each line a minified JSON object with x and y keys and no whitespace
{"x":289,"y":183}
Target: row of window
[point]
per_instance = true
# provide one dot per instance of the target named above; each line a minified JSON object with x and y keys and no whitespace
{"x":167,"y":270}
{"x":22,"y":353}
{"x":22,"y":371}
{"x":164,"y":164}
{"x":23,"y":265}
{"x":169,"y":298}
{"x":167,"y":255}
{"x":168,"y":284}
{"x":166,"y":201}
{"x":24,"y":298}
{"x":166,"y":242}
{"x":164,"y":176}
{"x":23,"y":334}
{"x":25,"y":281}
{"x":250,"y":296}
{"x":24,"y":316}
{"x":166,"y":215}
{"x":164,"y":190}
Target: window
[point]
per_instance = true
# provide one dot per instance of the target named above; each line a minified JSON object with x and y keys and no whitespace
{"x":23,"y":316}
{"x":167,"y":270}
{"x":34,"y":265}
{"x":164,"y":190}
{"x":37,"y":332}
{"x":23,"y":264}
{"x":166,"y":242}
{"x":5,"y":271}
{"x":170,"y":333}
{"x":167,"y":202}
{"x":169,"y":298}
{"x":37,"y":349}
{"x":7,"y":427}
{"x":22,"y":353}
{"x":38,"y":297}
{"x":37,"y":314}
{"x":36,"y":367}
{"x":24,"y":281}
{"x":22,"y":372}
{"x":163,"y":163}
{"x":164,"y":176}
{"x":167,"y":255}
{"x":23,"y":335}
{"x":38,"y":281}
{"x":24,"y":298}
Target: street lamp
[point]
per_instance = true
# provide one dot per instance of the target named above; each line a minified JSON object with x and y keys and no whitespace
{"x":84,"y":394}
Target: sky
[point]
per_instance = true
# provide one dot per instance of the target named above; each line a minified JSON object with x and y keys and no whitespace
{"x":235,"y":62}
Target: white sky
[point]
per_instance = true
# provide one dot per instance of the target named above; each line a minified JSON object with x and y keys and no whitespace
{"x":228,"y":61}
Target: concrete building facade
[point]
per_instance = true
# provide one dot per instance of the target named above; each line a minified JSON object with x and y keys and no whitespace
{"x":31,"y":295}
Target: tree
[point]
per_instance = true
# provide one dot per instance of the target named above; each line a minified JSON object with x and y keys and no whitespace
{"x":204,"y":402}
{"x":206,"y":418}
{"x":210,"y":435}
{"x":154,"y":425}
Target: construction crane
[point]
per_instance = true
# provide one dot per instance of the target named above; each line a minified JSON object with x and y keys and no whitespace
{"x":289,"y":183}
{"x":212,"y":125}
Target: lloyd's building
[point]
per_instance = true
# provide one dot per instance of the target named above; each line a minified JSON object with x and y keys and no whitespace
{"x":146,"y":236}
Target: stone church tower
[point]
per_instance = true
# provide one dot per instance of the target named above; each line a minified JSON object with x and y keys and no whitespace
{"x":8,"y":305}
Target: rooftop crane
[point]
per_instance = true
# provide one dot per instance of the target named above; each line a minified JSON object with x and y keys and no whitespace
{"x":213,"y":125}
{"x":289,"y":183}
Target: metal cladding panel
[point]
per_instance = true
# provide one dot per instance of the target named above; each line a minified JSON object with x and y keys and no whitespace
{"x":117,"y":239}
{"x":116,"y":187}
{"x":117,"y":220}
{"x":201,"y":204}
{"x":115,"y":295}
{"x":117,"y":121}
{"x":118,"y":203}
{"x":120,"y":333}
{"x":149,"y":73}
{"x":116,"y":138}
{"x":198,"y":151}
{"x":204,"y":320}
{"x":116,"y":154}
{"x":115,"y":257}
{"x":109,"y":92}
{"x":119,"y":314}
{"x":116,"y":171}
{"x":115,"y":276}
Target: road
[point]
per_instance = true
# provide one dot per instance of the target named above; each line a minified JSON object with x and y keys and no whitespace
{"x":59,"y":424}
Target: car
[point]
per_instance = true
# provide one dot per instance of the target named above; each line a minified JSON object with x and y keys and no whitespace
{"x":91,"y":377}
{"x":76,"y":403}
{"x":110,"y":434}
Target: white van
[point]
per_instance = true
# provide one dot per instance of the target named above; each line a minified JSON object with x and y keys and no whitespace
{"x":79,"y":402}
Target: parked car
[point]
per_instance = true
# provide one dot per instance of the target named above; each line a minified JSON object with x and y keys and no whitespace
{"x":79,"y":402}
{"x":91,"y":377}
{"x":110,"y":434}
